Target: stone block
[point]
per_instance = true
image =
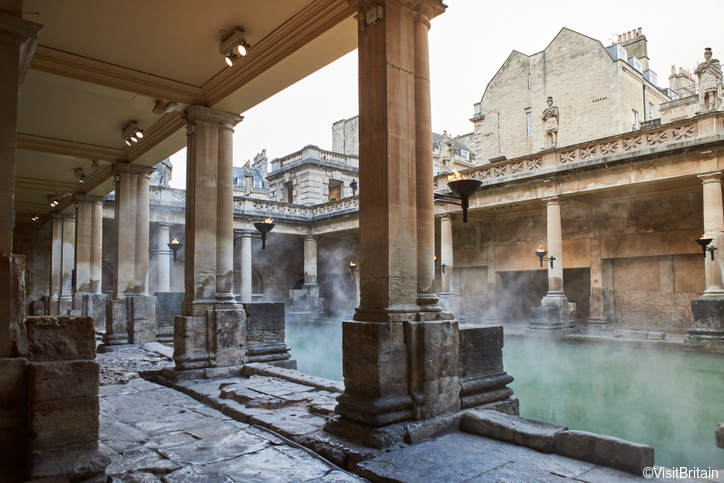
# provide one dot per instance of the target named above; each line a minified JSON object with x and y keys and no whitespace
{"x":230,"y":336}
{"x":264,"y":323}
{"x":94,"y":305}
{"x":61,"y":338}
{"x":481,"y":350}
{"x":533,"y":434}
{"x":605,"y":450}
{"x":143,"y":323}
{"x":374,"y":365}
{"x":372,"y":437}
{"x":51,"y":381}
{"x":53,"y":424}
{"x":76,"y":462}
{"x":432,"y":353}
{"x":13,"y":392}
{"x":707,"y":317}
{"x":191,"y":342}
{"x":116,"y":322}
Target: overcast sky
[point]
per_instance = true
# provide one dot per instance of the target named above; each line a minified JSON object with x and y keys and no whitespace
{"x":468,"y":44}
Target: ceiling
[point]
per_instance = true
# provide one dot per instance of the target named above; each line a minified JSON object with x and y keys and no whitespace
{"x":101,"y":64}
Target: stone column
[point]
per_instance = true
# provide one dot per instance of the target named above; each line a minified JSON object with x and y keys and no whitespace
{"x":210,"y":330}
{"x":163,"y":262}
{"x":56,"y":262}
{"x":713,"y":227}
{"x":596,"y":319}
{"x":67,"y":265}
{"x":131,"y":315}
{"x":707,"y":332}
{"x":87,"y":297}
{"x":142,"y":233}
{"x":426,"y":298}
{"x":310,"y":260}
{"x":446,"y":254}
{"x":492,"y":279}
{"x":386,"y":349}
{"x":246,"y":267}
{"x":553,"y":312}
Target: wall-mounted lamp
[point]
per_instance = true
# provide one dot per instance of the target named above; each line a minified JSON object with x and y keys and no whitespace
{"x":442,"y":267}
{"x":264,"y":227}
{"x":703,"y":242}
{"x":131,"y":133}
{"x":541,"y":253}
{"x":175,"y":246}
{"x":234,"y":46}
{"x":80,"y":175}
{"x":352,"y":267}
{"x":353,"y":185}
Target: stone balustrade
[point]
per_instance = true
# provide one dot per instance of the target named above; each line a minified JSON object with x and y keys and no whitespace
{"x":314,"y":155}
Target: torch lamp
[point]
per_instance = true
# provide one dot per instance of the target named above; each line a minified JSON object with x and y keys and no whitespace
{"x":352,"y":267}
{"x":463,"y":189}
{"x":175,"y":246}
{"x":264,"y":227}
{"x":704,"y":242}
{"x":541,"y":253}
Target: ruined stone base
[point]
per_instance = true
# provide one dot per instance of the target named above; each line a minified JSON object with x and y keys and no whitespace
{"x":216,"y":339}
{"x":94,"y":305}
{"x":598,"y":325}
{"x":703,"y":345}
{"x":176,"y":375}
{"x":265,"y":334}
{"x":131,"y":320}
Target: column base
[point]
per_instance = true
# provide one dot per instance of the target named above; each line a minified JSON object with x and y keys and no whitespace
{"x":92,"y":304}
{"x":215,"y":339}
{"x":707,"y":316}
{"x":131,"y":320}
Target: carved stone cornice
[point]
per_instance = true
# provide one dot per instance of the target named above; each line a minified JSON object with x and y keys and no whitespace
{"x":62,"y":147}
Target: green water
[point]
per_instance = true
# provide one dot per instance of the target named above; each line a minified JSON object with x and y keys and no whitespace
{"x":668,"y":399}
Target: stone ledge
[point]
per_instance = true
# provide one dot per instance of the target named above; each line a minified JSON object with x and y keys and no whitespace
{"x":292,"y":375}
{"x":605,"y":450}
{"x":638,"y":334}
{"x":533,"y":434}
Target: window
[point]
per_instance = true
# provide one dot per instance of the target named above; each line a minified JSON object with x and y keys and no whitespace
{"x":436,"y":168}
{"x":530,"y":80}
{"x":335,"y":190}
{"x":289,"y":192}
{"x":258,"y":184}
{"x":651,"y":111}
{"x":240,"y":182}
{"x":634,"y":120}
{"x":529,"y":122}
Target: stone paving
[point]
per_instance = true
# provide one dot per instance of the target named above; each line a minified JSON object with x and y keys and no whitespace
{"x":155,"y":433}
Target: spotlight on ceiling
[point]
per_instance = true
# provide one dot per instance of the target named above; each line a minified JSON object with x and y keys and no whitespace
{"x":132,"y":133}
{"x":35,"y":217}
{"x":53,"y":200}
{"x":80,"y":175}
{"x":234,"y":46}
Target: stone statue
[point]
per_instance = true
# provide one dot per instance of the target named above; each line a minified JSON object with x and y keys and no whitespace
{"x":710,"y":82}
{"x":550,"y":118}
{"x":162,"y":175}
{"x":446,"y":153}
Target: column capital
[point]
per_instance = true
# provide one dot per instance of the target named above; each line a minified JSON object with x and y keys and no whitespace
{"x":552,"y":200}
{"x":126,"y":168}
{"x":196,"y":114}
{"x":87,"y":198}
{"x":426,"y":10}
{"x":714,"y":176}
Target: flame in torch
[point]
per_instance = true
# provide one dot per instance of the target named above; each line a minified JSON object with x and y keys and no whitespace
{"x":268,"y":220}
{"x":174,"y":241}
{"x":540,"y":248}
{"x":456,"y":176}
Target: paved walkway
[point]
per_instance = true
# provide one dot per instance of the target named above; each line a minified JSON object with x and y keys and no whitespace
{"x":156,"y":433}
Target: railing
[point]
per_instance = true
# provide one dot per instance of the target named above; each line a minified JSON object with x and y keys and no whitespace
{"x":313,"y":155}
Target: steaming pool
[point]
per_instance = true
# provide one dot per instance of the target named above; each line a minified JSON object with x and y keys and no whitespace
{"x":666,"y":398}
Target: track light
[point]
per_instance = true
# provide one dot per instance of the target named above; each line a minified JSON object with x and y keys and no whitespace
{"x":80,"y":175}
{"x":35,"y":217}
{"x":132,"y":133}
{"x":234,"y":46}
{"x":53,"y":200}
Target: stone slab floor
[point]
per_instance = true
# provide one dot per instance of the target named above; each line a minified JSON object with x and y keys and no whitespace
{"x":156,"y":433}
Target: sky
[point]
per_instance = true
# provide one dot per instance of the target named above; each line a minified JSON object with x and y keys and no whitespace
{"x":468,"y":44}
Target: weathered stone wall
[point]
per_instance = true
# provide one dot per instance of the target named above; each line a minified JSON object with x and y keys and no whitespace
{"x":281,"y":264}
{"x":345,"y":136}
{"x":33,"y":241}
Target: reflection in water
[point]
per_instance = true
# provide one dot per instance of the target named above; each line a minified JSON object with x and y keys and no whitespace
{"x":668,"y":399}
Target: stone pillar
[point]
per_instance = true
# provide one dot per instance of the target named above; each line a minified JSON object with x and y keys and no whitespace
{"x":310,"y":260}
{"x":246,"y":267}
{"x":446,"y":254}
{"x":131,"y":315}
{"x":65,"y":302}
{"x":707,"y":313}
{"x":87,"y":297}
{"x":596,"y":319}
{"x":210,"y":330}
{"x":163,"y":262}
{"x":140,"y":281}
{"x":396,"y":366}
{"x":426,"y":298}
{"x":713,"y":227}
{"x":307,"y":300}
{"x":56,"y":262}
{"x":553,"y":312}
{"x":492,"y":278}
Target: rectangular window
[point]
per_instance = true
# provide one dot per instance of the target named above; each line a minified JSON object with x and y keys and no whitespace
{"x":634,"y":120}
{"x":436,"y":168}
{"x":258,"y":184}
{"x":529,"y":122}
{"x":530,"y":80}
{"x":240,"y":182}
{"x":651,"y":111}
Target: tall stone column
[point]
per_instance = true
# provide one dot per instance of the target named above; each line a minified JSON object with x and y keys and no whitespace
{"x":426,"y":298}
{"x":311,"y":295}
{"x":210,"y":330}
{"x":56,"y":262}
{"x":392,"y":383}
{"x":707,"y":332}
{"x":446,"y":254}
{"x":596,"y":319}
{"x":142,"y":233}
{"x":131,"y":315}
{"x":67,"y":265}
{"x":553,"y":312}
{"x":246,"y":267}
{"x":88,"y":247}
{"x":163,"y":262}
